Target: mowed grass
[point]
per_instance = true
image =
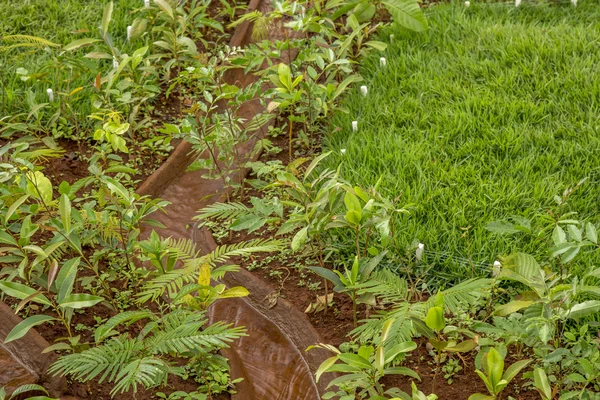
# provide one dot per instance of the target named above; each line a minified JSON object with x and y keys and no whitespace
{"x":490,"y":114}
{"x":60,"y":21}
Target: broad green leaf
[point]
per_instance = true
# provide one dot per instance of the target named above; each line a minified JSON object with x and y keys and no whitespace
{"x":480,"y":396}
{"x":64,"y":206}
{"x":21,"y":291}
{"x":463,"y":347}
{"x":591,"y":233}
{"x":495,"y":366}
{"x":24,"y":326}
{"x":325,"y":365}
{"x":400,"y":348}
{"x":584,"y":309}
{"x":435,"y":318}
{"x":39,"y":186}
{"x":502,"y":227}
{"x":355,"y":360}
{"x":165,"y":7}
{"x":236,"y":291}
{"x":66,"y":278}
{"x":80,"y":300}
{"x":118,"y":189}
{"x":28,"y":388}
{"x":514,"y":369}
{"x":329,"y":275}
{"x":300,"y":239}
{"x":401,"y":371}
{"x":14,"y":206}
{"x":541,"y":383}
{"x":558,"y":235}
{"x":407,"y":13}
{"x":106,"y":17}
{"x":204,"y":275}
{"x":75,"y":44}
{"x":512,"y":307}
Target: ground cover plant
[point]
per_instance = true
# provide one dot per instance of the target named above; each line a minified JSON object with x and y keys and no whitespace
{"x":490,"y":115}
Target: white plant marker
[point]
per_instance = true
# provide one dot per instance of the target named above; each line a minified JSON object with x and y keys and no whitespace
{"x":364,"y":90}
{"x":517,"y":3}
{"x":419,"y":252}
{"x":391,"y":38}
{"x":467,"y":3}
{"x":354,"y":126}
{"x":115,"y":63}
{"x":343,"y":151}
{"x":574,"y":2}
{"x":146,"y":3}
{"x":496,"y":268}
{"x":382,"y":62}
{"x":129,"y":33}
{"x":50,"y":94}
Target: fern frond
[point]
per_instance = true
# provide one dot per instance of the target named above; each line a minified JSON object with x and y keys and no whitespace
{"x":172,"y":281}
{"x":147,"y":371}
{"x":225,"y":252}
{"x":109,"y":358}
{"x":403,"y":328}
{"x":191,"y":338}
{"x":186,"y":248}
{"x":387,"y":286}
{"x":222,"y":211}
{"x":464,"y":295}
{"x":127,"y":317}
{"x":27,"y":40}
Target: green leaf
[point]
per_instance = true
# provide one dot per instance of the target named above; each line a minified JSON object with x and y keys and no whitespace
{"x":514,"y":369}
{"x":400,"y":348}
{"x":24,"y":326}
{"x":355,"y":360}
{"x":39,"y":187}
{"x":512,"y":307}
{"x":236,"y":291}
{"x":541,"y":383}
{"x":66,"y":278}
{"x":106,"y":17}
{"x":64,"y":206}
{"x":81,"y":300}
{"x":575,"y":377}
{"x":558,"y":235}
{"x":495,"y":367}
{"x":407,"y":13}
{"x":21,"y":291}
{"x":480,"y":396}
{"x":118,"y":189}
{"x":590,"y":233}
{"x":28,"y":388}
{"x":329,"y":275}
{"x":14,"y":207}
{"x":75,"y":44}
{"x":584,"y":309}
{"x":325,"y":365}
{"x":463,"y":347}
{"x":165,"y":7}
{"x":502,"y":227}
{"x":435,"y":318}
{"x":401,"y":371}
{"x":300,"y":239}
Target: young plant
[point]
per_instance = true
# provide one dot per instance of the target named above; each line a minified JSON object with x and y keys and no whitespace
{"x":363,"y":370}
{"x":351,"y":280}
{"x":494,"y":376}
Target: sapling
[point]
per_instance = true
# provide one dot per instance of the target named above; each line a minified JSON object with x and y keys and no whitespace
{"x":494,"y":376}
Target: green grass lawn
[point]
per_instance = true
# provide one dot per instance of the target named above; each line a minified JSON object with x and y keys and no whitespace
{"x":491,"y":113}
{"x":60,"y":21}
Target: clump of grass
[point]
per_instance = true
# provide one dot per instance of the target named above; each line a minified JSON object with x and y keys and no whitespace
{"x":491,"y":113}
